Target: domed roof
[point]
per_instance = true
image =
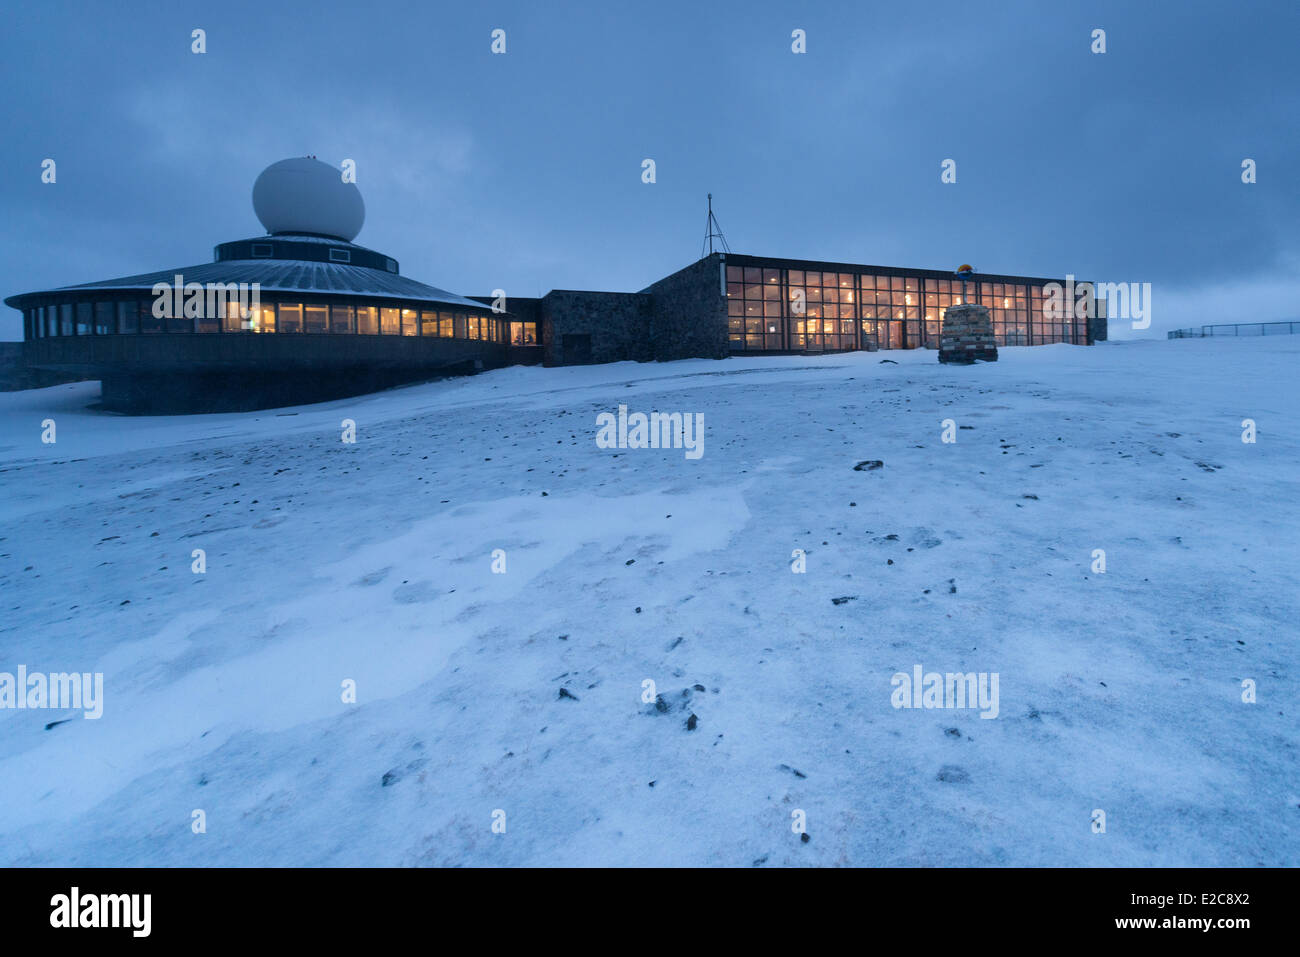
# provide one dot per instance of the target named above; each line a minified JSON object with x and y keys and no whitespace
{"x":304,"y":195}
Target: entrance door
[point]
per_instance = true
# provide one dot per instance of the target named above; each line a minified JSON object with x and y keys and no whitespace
{"x":576,"y":349}
{"x":813,"y":335}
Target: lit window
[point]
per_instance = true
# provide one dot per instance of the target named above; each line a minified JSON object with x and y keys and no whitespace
{"x":232,"y":313}
{"x":290,"y":318}
{"x":314,"y":318}
{"x":262,"y":319}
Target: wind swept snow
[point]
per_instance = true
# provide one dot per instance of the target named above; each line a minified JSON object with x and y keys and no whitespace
{"x":524,"y":692}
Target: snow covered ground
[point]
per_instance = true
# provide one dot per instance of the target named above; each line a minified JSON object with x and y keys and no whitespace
{"x":373,"y":562}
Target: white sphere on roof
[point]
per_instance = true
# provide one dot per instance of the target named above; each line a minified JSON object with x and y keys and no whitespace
{"x":304,"y":195}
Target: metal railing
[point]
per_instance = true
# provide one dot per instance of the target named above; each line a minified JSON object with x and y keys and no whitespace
{"x":1237,"y":329}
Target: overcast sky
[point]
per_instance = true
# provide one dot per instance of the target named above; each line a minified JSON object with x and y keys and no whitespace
{"x":523,"y":171}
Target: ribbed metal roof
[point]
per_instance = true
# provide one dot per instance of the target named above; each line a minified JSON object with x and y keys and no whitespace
{"x":285,"y":276}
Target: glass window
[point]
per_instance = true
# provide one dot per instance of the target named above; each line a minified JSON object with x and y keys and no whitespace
{"x":735,"y":290}
{"x":530,"y":333}
{"x":429,"y":323}
{"x":341,"y":319}
{"x":753,"y":274}
{"x":459,"y":326}
{"x":83,"y":318}
{"x":389,"y":320}
{"x":796,"y":277}
{"x":128,"y":318}
{"x":289,"y":318}
{"x":367,"y":320}
{"x":771,"y":277}
{"x":472,"y":327}
{"x":409,"y":318}
{"x":734,"y":274}
{"x":314,"y":318}
{"x":262,"y":318}
{"x":205,"y":321}
{"x":105,"y":315}
{"x":148,"y":321}
{"x":446,"y":323}
{"x":65,"y":319}
{"x":232,"y":314}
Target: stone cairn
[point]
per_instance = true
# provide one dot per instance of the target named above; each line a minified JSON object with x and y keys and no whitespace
{"x":967,"y":335}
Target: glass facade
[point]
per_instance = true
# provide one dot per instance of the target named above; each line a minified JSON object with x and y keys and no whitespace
{"x":117,"y":316}
{"x":800,"y":310}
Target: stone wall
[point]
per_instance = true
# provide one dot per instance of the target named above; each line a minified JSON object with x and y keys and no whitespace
{"x":967,"y":335}
{"x":617,"y":325}
{"x":689,"y":313}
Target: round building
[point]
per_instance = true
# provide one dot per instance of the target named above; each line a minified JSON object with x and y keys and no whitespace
{"x":300,"y":314}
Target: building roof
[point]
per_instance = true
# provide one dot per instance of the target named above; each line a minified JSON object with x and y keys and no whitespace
{"x":275,"y":276}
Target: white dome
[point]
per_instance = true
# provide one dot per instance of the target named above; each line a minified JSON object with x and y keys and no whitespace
{"x":304,"y":195}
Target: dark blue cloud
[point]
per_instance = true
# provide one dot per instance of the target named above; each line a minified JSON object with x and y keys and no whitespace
{"x":522,"y":171}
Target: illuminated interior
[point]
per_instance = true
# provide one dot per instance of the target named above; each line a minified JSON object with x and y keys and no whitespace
{"x":107,"y":317}
{"x":782,"y":309}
